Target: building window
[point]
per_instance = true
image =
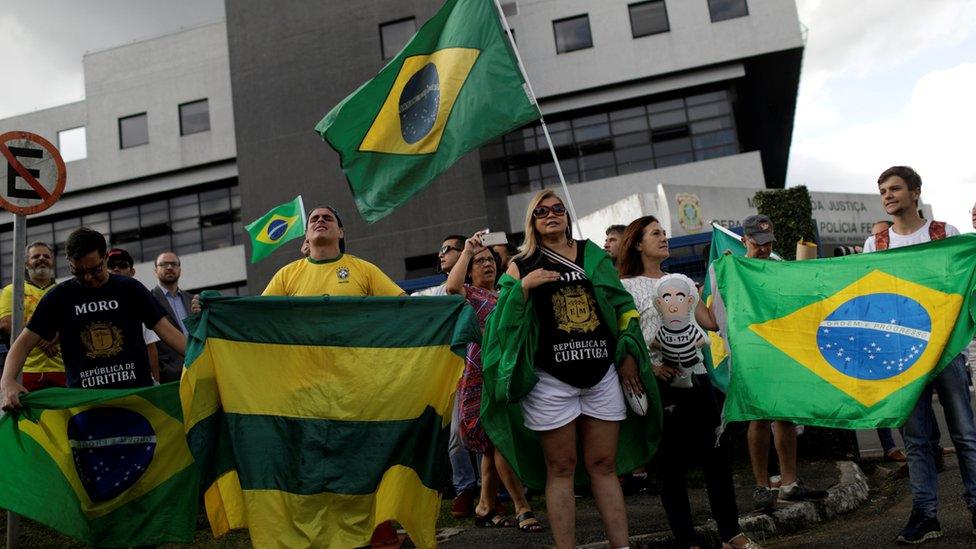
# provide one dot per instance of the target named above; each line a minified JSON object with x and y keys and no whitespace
{"x":572,"y":33}
{"x":720,"y":10}
{"x":133,"y":131}
{"x":194,"y":117}
{"x":72,"y":144}
{"x":648,"y":18}
{"x":395,"y":34}
{"x":619,"y":139}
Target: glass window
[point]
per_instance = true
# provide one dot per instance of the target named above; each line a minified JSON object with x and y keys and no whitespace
{"x":133,"y":131}
{"x":395,"y":34}
{"x":572,"y":34}
{"x":720,"y":10}
{"x":72,"y":144}
{"x":648,"y":18}
{"x":194,"y":117}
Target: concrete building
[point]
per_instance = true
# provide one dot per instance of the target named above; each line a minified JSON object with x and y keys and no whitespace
{"x":636,"y":93}
{"x":151,"y":159}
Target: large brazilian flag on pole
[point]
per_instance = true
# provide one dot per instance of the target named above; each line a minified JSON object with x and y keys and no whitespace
{"x":849,"y":341}
{"x":453,"y":87}
{"x":314,"y":419}
{"x":108,"y":467}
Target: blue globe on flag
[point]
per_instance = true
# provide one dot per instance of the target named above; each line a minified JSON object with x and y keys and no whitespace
{"x":875,"y":336}
{"x":276,"y":229}
{"x":419,"y":103}
{"x":112,"y":448}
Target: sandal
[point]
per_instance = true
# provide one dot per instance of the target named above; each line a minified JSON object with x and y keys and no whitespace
{"x":528,"y":523}
{"x":491,"y":520}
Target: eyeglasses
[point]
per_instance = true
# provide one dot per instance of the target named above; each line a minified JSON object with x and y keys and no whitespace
{"x":543,"y":211}
{"x":93,"y":271}
{"x":446,"y":248}
{"x":168,"y":264}
{"x":484,"y":261}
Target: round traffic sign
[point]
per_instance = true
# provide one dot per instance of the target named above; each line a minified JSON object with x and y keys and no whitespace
{"x":32,"y":172}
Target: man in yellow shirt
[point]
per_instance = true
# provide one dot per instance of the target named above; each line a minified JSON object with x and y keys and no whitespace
{"x":328,"y":270}
{"x":43,"y":367}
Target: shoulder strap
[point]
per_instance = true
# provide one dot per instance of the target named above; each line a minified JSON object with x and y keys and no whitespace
{"x":937,"y":230}
{"x":881,"y":240}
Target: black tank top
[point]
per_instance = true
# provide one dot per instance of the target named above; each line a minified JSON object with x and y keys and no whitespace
{"x":575,"y":345}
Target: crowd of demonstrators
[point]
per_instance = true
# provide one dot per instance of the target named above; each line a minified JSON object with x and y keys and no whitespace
{"x":611,"y":244}
{"x":43,"y":367}
{"x":900,"y":189}
{"x":473,"y":276}
{"x":691,"y":410}
{"x":97,"y":318}
{"x":119,"y":262}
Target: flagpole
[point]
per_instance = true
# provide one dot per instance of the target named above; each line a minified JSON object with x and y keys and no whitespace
{"x":542,"y":119}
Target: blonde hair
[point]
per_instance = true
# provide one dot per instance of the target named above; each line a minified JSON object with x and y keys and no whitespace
{"x":531,"y":242}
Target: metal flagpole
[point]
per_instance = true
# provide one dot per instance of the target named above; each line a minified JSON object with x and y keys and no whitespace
{"x":542,"y":119}
{"x":16,"y":325}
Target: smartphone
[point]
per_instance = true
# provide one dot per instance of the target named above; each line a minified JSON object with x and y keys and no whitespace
{"x":494,"y":239}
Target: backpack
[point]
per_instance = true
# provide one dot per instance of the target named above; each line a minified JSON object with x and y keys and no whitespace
{"x":937,"y":231}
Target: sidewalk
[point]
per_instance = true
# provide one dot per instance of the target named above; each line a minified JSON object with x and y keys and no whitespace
{"x":648,"y":525}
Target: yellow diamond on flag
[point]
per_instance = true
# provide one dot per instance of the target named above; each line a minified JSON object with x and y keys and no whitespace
{"x":871,"y":338}
{"x":276,"y":228}
{"x":412,"y":119}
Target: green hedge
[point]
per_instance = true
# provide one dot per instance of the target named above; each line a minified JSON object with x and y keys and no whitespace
{"x":792,"y":217}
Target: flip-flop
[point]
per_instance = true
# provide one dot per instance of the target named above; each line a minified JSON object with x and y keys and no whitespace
{"x":528,"y":523}
{"x":491,"y":520}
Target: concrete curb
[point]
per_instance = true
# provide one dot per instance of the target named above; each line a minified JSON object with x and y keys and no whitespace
{"x":846,"y":496}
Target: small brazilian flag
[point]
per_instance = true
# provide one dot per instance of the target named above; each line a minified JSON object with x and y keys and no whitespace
{"x":283,"y":223}
{"x":453,"y":87}
{"x":108,"y":467}
{"x":316,"y":419}
{"x":845,"y":342}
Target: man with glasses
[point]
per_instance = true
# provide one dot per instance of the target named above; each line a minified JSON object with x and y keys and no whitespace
{"x":43,"y":367}
{"x":447,"y":256}
{"x":98,"y":318}
{"x":120,"y":263}
{"x":176,"y":304}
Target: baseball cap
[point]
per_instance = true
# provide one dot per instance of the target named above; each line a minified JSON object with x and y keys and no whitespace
{"x":759,"y":228}
{"x":116,"y":255}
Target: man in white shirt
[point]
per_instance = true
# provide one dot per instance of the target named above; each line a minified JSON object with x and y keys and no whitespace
{"x":447,"y":256}
{"x":900,"y":188}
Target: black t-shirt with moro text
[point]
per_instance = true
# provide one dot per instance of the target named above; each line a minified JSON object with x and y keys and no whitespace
{"x":100,"y":331}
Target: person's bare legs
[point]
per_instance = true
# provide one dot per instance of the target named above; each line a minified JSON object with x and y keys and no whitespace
{"x":489,"y":486}
{"x":559,"y":448}
{"x":599,"y":439}
{"x":758,"y":438}
{"x":512,"y":483}
{"x":784,"y":436}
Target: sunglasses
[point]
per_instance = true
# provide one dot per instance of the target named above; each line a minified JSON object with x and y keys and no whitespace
{"x":447,"y":247}
{"x":94,"y":271}
{"x":543,"y":211}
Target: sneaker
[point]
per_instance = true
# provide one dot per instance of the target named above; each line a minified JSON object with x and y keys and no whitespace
{"x":799,"y":492}
{"x":920,"y":529}
{"x":763,"y":499}
{"x":463,"y":505}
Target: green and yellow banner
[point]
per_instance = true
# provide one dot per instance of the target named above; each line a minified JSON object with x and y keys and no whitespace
{"x":108,"y":467}
{"x":849,"y":341}
{"x":453,"y":87}
{"x":315,"y":419}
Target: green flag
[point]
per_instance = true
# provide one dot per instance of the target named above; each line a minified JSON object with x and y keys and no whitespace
{"x":108,"y":467}
{"x":283,"y":223}
{"x":717,"y":357}
{"x":453,"y":87}
{"x":849,"y":341}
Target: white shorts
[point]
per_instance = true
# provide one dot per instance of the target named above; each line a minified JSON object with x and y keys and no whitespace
{"x":553,"y":403}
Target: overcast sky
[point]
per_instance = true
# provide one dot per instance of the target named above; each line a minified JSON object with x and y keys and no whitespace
{"x":884,"y":82}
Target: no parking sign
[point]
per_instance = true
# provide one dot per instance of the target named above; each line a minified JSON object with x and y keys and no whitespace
{"x":34,"y":174}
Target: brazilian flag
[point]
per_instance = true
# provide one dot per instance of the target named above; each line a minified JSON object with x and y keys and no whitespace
{"x":845,"y":342}
{"x":283,"y":223}
{"x":314,"y":419}
{"x":453,"y":87}
{"x":108,"y":467}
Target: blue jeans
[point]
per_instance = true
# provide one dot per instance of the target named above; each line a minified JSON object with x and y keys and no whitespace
{"x":954,"y":396}
{"x":463,"y":475}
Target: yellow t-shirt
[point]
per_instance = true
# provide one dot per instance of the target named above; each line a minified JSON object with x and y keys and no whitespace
{"x":37,"y":361}
{"x":346,"y":275}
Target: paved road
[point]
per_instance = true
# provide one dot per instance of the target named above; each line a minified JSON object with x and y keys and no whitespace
{"x":877,"y":523}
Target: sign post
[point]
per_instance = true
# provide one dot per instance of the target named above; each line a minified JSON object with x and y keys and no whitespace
{"x":35,"y":178}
